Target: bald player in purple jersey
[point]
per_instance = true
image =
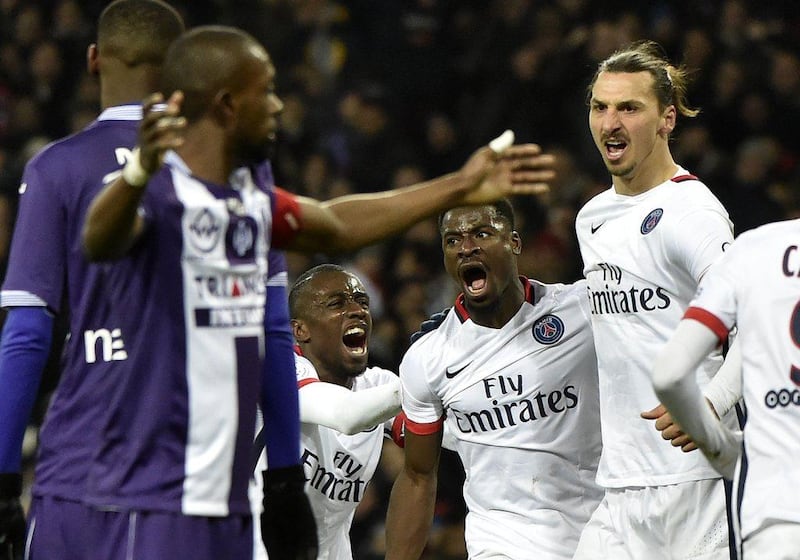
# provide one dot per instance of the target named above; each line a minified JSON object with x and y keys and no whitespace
{"x":189,"y":245}
{"x":47,"y":266}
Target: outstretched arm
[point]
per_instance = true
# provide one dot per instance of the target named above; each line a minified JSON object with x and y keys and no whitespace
{"x":349,"y":412}
{"x":675,"y":384}
{"x":24,"y":348}
{"x":410,"y":515}
{"x":113,"y":223}
{"x":350,"y":222}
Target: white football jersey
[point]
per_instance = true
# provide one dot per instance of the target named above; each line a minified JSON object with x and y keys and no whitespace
{"x":756,"y":287}
{"x":643,"y":257}
{"x":338,"y":467}
{"x":521,"y":405}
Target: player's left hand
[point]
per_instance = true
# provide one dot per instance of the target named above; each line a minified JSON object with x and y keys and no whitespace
{"x":517,"y":170}
{"x":670,"y":430}
{"x":288,"y":528}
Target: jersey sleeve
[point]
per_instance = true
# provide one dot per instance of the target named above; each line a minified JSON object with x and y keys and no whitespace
{"x":423,"y":409}
{"x":305,"y":371}
{"x":35,"y":276}
{"x":287,"y":218}
{"x":699,"y":239}
{"x":714,"y":304}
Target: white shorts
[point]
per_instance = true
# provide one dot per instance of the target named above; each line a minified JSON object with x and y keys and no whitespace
{"x":674,"y":522}
{"x":779,"y":541}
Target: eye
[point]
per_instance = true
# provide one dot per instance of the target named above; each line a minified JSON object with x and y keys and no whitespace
{"x":335,"y":303}
{"x":450,"y":241}
{"x":363,"y":301}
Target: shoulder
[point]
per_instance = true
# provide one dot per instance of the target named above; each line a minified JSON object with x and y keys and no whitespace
{"x":375,"y":376}
{"x":305,"y":369}
{"x":595,"y":204}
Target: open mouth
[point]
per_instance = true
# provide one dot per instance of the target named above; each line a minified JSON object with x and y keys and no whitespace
{"x":474,"y":279}
{"x":615,"y":149}
{"x":355,"y":340}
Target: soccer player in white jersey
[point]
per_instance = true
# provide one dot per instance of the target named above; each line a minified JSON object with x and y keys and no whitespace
{"x":347,"y":409}
{"x":191,"y":252}
{"x":645,"y":243}
{"x":755,"y":287}
{"x":512,"y":372}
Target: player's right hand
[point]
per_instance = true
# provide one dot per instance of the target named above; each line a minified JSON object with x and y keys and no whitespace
{"x":288,"y":528}
{"x":12,"y":518}
{"x":161,"y":129}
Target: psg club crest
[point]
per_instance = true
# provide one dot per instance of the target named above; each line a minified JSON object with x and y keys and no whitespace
{"x":548,"y":329}
{"x":651,"y":221}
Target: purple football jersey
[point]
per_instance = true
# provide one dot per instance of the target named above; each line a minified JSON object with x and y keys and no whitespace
{"x":46,"y":255}
{"x":189,"y":303}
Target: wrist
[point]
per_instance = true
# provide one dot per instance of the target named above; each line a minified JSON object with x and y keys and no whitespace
{"x":284,"y":479}
{"x":133,"y":172}
{"x":10,"y":485}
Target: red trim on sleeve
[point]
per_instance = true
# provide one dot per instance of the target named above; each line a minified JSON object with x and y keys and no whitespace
{"x":682,"y":178}
{"x":303,"y":382}
{"x":424,"y":429}
{"x":398,"y":427}
{"x":708,"y":319}
{"x":287,"y":219}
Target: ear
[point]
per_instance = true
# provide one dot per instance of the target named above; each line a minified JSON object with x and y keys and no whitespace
{"x":516,"y":243}
{"x":92,"y":60}
{"x":668,"y":119}
{"x":224,"y":107}
{"x":300,"y":331}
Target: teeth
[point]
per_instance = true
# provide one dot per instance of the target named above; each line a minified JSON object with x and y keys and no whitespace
{"x":355,"y":331}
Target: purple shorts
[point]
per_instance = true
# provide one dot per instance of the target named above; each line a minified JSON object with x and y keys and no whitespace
{"x":155,"y":535}
{"x":57,"y":529}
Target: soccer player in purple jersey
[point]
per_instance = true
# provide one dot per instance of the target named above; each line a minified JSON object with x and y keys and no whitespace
{"x":223,"y":113}
{"x":46,"y":259}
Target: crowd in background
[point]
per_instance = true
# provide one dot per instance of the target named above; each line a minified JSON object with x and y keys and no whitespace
{"x":391,"y":92}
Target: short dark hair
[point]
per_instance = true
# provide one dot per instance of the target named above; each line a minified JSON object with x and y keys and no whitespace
{"x":299,"y":287}
{"x":503,"y":207}
{"x":203,"y":61}
{"x":670,"y":82}
{"x":138,"y":31}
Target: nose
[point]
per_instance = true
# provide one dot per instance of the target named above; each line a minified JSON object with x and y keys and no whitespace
{"x":468,"y":247}
{"x":610,"y":121}
{"x":355,"y":309}
{"x":276,"y":104}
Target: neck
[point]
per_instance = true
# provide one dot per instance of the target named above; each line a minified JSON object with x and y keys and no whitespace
{"x":128,"y":86}
{"x":500,"y":312}
{"x":204,"y":153}
{"x":655,"y":169}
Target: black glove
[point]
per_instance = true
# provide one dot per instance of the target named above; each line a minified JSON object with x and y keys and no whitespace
{"x":12,"y":518}
{"x":288,"y":528}
{"x":431,"y":324}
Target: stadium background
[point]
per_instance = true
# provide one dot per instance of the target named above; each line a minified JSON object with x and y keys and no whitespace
{"x":382,"y":93}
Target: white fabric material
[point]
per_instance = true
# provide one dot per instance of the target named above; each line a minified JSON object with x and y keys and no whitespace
{"x":337,"y":466}
{"x":349,"y":411}
{"x":643,"y":257}
{"x":213,"y":416}
{"x":676,"y":386}
{"x":757,"y":287}
{"x":673,"y":522}
{"x":523,"y":416}
{"x":725,"y":389}
{"x":780,"y":541}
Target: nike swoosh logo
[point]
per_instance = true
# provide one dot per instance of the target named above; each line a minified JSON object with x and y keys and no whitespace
{"x":595,"y":228}
{"x":451,"y":374}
